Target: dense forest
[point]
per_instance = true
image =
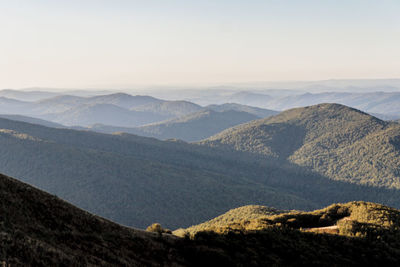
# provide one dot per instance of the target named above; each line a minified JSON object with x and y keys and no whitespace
{"x":334,"y":140}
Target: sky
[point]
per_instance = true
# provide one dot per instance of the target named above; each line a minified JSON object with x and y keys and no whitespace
{"x":124,"y":43}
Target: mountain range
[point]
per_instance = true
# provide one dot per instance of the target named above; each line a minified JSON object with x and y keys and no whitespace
{"x":190,"y":183}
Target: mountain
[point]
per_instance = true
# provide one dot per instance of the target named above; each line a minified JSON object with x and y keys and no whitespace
{"x":26,"y":95}
{"x":374,"y":100}
{"x":123,"y":100}
{"x":170,"y":109}
{"x":88,"y":114}
{"x":196,"y":126}
{"x":39,"y":229}
{"x":64,"y":103}
{"x":192,"y":127}
{"x":334,"y":140}
{"x":259,"y":112}
{"x":12,"y":106}
{"x":114,"y":175}
{"x":386,"y":103}
{"x":249,"y":98}
{"x":31,"y":120}
{"x":385,"y":117}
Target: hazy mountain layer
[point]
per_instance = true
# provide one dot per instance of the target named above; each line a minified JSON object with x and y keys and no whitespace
{"x":31,"y":120}
{"x":85,"y":115}
{"x":259,"y":112}
{"x":170,"y":109}
{"x":192,"y":127}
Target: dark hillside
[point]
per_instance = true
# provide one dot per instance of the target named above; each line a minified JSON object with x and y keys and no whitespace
{"x":39,"y":229}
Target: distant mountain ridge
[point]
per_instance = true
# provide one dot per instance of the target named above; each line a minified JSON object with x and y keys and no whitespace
{"x":170,"y":109}
{"x":31,"y":120}
{"x":259,"y":112}
{"x":193,"y":127}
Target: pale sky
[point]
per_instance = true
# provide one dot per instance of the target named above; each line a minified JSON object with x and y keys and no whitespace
{"x":122,"y":43}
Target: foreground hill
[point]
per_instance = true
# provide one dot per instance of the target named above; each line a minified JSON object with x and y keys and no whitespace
{"x":233,"y":216}
{"x":192,"y":127}
{"x":334,"y":140}
{"x":38,"y":229}
{"x":350,"y":219}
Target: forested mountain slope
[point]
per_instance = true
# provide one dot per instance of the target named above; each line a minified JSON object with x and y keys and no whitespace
{"x":148,"y":180}
{"x":334,"y":140}
{"x":137,"y":181}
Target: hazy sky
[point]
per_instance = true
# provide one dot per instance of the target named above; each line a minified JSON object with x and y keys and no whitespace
{"x":119,"y":43}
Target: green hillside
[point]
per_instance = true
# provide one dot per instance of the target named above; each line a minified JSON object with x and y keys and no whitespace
{"x":356,"y":218}
{"x":334,"y":140}
{"x":249,"y":212}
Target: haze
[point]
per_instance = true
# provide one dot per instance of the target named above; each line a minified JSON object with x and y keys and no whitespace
{"x":110,"y":44}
